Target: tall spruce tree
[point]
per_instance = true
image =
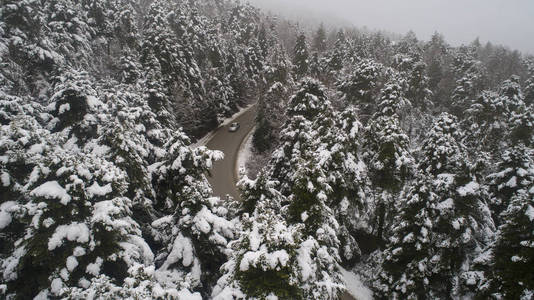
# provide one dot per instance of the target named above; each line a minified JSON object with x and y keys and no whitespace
{"x":301,"y":56}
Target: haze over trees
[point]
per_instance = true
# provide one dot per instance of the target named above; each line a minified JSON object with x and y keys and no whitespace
{"x":408,"y":162}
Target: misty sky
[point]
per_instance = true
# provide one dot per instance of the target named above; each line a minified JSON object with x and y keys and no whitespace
{"x":507,"y":22}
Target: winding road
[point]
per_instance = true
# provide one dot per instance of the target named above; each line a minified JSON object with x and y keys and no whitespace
{"x":223,"y":174}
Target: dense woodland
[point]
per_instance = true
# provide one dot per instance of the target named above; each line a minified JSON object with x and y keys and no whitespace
{"x":409,"y":162}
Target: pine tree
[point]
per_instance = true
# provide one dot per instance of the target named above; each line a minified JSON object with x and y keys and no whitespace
{"x":510,"y":90}
{"x":463,"y":226}
{"x":514,"y":173}
{"x":362,"y":86}
{"x":301,"y":56}
{"x":522,"y":126}
{"x":387,"y":155}
{"x":292,"y":255}
{"x":319,"y":40}
{"x":337,"y":56}
{"x":407,"y":266}
{"x":269,"y":118}
{"x":194,"y":229}
{"x":514,"y":250}
{"x":298,"y":137}
{"x":485,"y":122}
{"x":438,"y":159}
{"x":529,"y":85}
{"x":470,"y":80}
{"x":263,"y":263}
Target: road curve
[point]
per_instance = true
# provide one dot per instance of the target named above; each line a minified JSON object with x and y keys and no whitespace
{"x":223,"y":177}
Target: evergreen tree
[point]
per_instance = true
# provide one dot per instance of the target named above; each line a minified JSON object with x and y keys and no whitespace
{"x":301,"y":56}
{"x":514,"y":250}
{"x":529,"y":85}
{"x":279,"y":255}
{"x":440,"y":159}
{"x":463,"y":226}
{"x":337,"y":56}
{"x":514,"y":173}
{"x":408,"y":266}
{"x":319,"y":40}
{"x":485,"y":122}
{"x":470,"y":80}
{"x":362,"y":86}
{"x":269,"y":118}
{"x":387,"y":155}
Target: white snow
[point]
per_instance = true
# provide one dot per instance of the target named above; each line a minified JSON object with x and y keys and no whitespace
{"x":78,"y":251}
{"x":469,"y":189}
{"x":94,"y":268}
{"x":181,"y":250}
{"x":74,"y":232}
{"x":52,"y":190}
{"x":355,"y":287}
{"x":72,"y":263}
{"x":304,"y":216}
{"x":245,"y":152}
{"x":456,"y":224}
{"x":5,"y":216}
{"x":447,"y":204}
{"x":5,"y":179}
{"x":93,"y":102}
{"x":529,"y":213}
{"x":512,"y":183}
{"x":305,"y":259}
{"x":36,"y":149}
{"x":56,"y":286}
{"x":148,"y":255}
{"x":97,"y":190}
{"x":254,"y":238}
{"x":63,"y":108}
{"x":256,"y":258}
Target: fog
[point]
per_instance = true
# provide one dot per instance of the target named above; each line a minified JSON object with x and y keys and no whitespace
{"x":507,"y":22}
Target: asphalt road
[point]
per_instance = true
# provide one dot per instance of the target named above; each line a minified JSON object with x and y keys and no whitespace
{"x":223,"y":175}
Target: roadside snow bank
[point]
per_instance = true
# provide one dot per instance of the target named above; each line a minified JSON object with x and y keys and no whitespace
{"x":355,"y":287}
{"x":244,"y":153}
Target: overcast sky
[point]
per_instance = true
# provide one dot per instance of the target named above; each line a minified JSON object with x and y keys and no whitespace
{"x":507,"y":22}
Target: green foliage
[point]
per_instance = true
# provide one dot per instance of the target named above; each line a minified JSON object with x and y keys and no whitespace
{"x":514,"y":251}
{"x":261,"y":284}
{"x":301,"y":56}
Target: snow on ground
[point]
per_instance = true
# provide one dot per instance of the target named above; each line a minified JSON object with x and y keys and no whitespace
{"x":205,"y":139}
{"x":245,"y":152}
{"x":355,"y":287}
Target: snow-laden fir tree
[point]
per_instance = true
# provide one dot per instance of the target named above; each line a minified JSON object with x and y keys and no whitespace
{"x":283,"y":251}
{"x":529,"y":84}
{"x":270,"y":117}
{"x":263,"y":263}
{"x":301,"y":56}
{"x":513,"y":253}
{"x":463,"y":227}
{"x":407,"y":269}
{"x":416,"y":80}
{"x":514,"y":172}
{"x":319,"y":40}
{"x":336,"y":57}
{"x":387,"y":155}
{"x":298,"y":138}
{"x":362,"y":85}
{"x":469,"y":80}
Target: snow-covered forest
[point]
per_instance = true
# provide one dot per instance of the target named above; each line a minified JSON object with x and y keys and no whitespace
{"x":408,"y":164}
